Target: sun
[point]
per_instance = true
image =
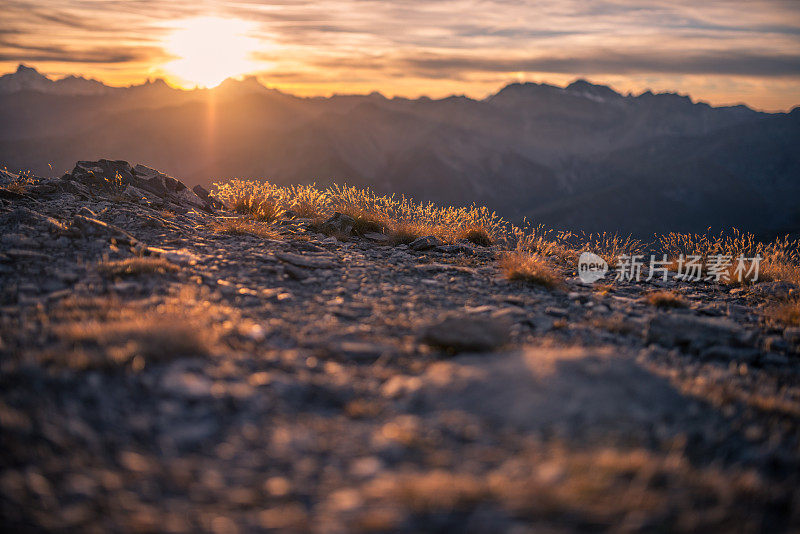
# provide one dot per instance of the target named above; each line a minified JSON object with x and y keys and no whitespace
{"x":209,"y":50}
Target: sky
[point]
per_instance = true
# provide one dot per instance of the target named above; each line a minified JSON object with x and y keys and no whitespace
{"x":718,"y":51}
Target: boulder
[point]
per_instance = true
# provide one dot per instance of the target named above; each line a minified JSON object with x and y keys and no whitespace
{"x":467,"y":333}
{"x":696,"y":333}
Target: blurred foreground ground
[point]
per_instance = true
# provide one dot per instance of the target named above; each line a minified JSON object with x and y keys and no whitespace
{"x":159,"y":375}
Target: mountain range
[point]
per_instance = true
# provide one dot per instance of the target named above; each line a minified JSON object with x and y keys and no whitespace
{"x":580,"y":157}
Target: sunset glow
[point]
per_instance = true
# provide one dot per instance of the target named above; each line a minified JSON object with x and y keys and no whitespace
{"x":720,"y":52}
{"x":210,"y":49}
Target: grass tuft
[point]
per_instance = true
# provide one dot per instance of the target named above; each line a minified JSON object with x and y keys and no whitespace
{"x":784,"y":313}
{"x":245,"y":226}
{"x":403,"y":220}
{"x":136,"y":266}
{"x":95,"y":344}
{"x":666,"y":299}
{"x":477,"y":235}
{"x":529,"y":269}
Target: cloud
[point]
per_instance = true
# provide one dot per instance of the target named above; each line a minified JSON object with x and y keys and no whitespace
{"x":605,"y":62}
{"x":14,"y":52}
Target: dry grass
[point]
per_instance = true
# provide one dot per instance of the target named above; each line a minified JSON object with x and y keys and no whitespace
{"x":404,"y":220}
{"x":590,"y":490}
{"x":565,"y":247}
{"x":616,"y":324}
{"x":151,"y":339}
{"x":666,"y":299}
{"x":137,"y":266}
{"x":440,"y":490}
{"x":22,"y":184}
{"x":477,"y":235}
{"x":401,"y":218}
{"x":245,"y":226}
{"x":603,"y":289}
{"x":111,"y":333}
{"x":529,"y":269}
{"x":780,"y":258}
{"x":784,"y":313}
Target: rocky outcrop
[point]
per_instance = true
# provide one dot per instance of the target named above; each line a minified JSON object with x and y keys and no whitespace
{"x":115,"y":177}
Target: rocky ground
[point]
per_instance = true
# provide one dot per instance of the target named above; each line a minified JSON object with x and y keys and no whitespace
{"x":158,"y":374}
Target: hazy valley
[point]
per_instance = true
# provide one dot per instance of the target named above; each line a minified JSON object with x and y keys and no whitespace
{"x":582,"y":157}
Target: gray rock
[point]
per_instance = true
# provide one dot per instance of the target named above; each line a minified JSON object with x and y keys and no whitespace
{"x":186,"y":384}
{"x":695,"y":333}
{"x":444,"y":267}
{"x":201,"y":192}
{"x":110,"y":177}
{"x":88,"y":227}
{"x":32,"y":218}
{"x":728,"y":353}
{"x":467,"y":333}
{"x":311,"y":262}
{"x":425,"y":243}
{"x":376,"y":237}
{"x":338,"y":223}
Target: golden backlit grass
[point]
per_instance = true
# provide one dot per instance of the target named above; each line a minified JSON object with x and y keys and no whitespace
{"x":780,"y":258}
{"x":616,"y":324}
{"x":21,"y":184}
{"x":402,"y":220}
{"x":529,"y":269}
{"x":786,"y":313}
{"x":245,"y":226}
{"x":136,"y":266}
{"x":153,"y":338}
{"x":666,"y":299}
{"x":113,"y":333}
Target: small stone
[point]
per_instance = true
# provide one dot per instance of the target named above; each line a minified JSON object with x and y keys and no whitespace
{"x":361,"y":350}
{"x":295,"y":273}
{"x":338,"y":223}
{"x":775,"y":344}
{"x":87,"y":226}
{"x":444,"y":267}
{"x":425,"y":243}
{"x":467,"y":333}
{"x":556,"y":312}
{"x":458,"y":248}
{"x":727,"y":353}
{"x":186,"y":384}
{"x":792,"y":334}
{"x":772,"y":358}
{"x":376,"y":237}
{"x":311,"y":262}
{"x":23,"y":254}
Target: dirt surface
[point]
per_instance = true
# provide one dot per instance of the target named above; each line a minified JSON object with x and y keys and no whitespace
{"x":159,"y":375}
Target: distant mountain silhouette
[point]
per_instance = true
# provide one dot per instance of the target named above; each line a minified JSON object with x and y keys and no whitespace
{"x":583,"y":157}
